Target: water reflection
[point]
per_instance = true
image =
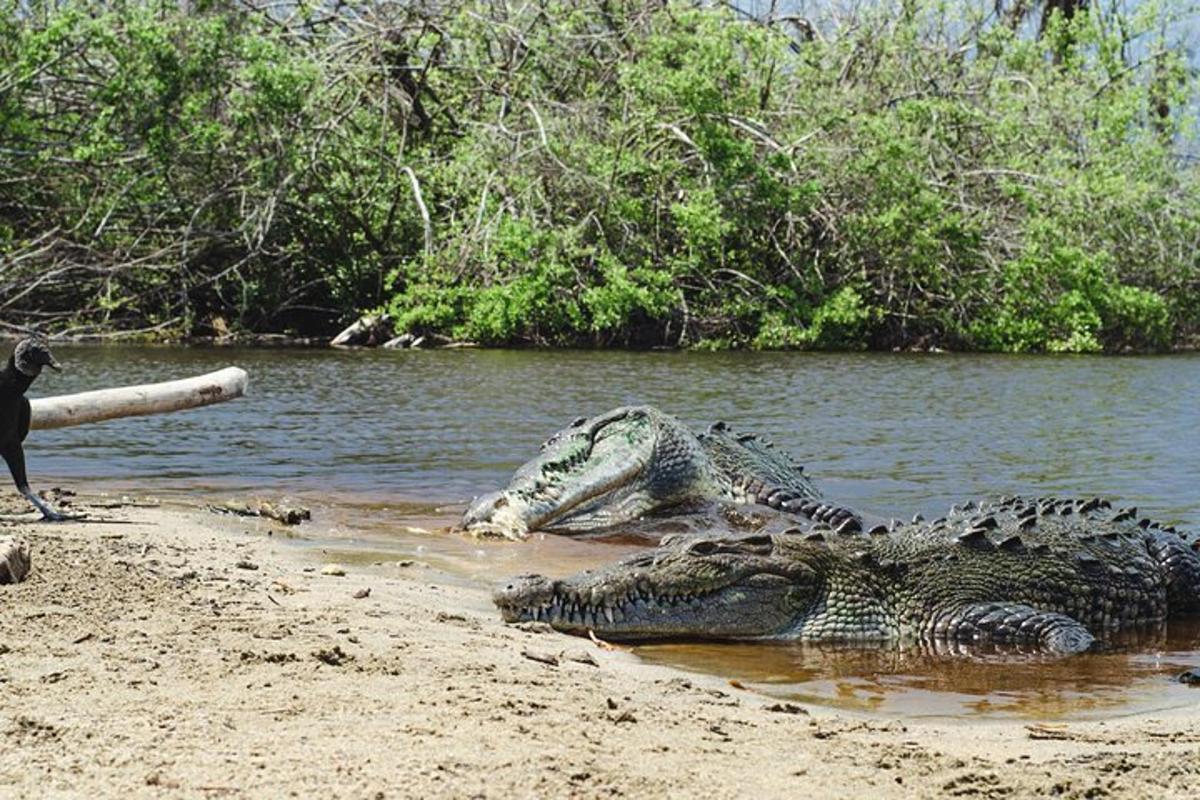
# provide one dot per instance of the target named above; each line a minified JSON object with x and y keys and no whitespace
{"x":1136,"y":673}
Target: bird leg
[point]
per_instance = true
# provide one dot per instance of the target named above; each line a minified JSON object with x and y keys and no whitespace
{"x":48,"y":513}
{"x":15,"y":456}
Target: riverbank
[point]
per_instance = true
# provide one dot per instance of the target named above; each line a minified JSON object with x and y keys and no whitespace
{"x":177,"y":653}
{"x":794,"y":184}
{"x":1186,"y":344}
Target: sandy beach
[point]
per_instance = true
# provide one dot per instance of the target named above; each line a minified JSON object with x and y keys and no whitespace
{"x":174,"y":653}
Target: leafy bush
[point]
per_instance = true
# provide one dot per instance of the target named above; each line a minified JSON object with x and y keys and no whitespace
{"x":602,"y":173}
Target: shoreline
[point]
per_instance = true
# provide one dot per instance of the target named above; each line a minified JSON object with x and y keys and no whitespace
{"x":274,"y":341}
{"x":179,"y":653}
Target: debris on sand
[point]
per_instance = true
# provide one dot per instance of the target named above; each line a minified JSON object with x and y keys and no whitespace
{"x":540,"y":657}
{"x":288,"y":515}
{"x":333,"y":656}
{"x":14,"y":560}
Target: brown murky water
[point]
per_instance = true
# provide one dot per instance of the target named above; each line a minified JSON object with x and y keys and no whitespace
{"x":387,"y":447}
{"x":1139,"y":675}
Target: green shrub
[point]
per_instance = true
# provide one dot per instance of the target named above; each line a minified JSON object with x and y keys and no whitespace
{"x":603,"y":173}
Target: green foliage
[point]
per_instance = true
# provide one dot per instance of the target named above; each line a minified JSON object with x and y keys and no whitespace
{"x":842,"y":322}
{"x":602,"y":173}
{"x":1056,"y":297}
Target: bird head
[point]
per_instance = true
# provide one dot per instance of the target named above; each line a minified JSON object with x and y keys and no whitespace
{"x":31,"y":354}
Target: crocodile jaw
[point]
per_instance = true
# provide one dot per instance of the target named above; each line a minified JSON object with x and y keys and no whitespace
{"x":711,"y":589}
{"x":757,"y":608}
{"x":597,"y":472}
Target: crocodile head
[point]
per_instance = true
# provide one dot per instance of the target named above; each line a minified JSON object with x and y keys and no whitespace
{"x":597,"y":472}
{"x":747,"y":587}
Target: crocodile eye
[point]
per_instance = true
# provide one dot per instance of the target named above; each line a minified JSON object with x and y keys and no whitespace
{"x":704,"y":548}
{"x":575,"y":423}
{"x":758,"y":541}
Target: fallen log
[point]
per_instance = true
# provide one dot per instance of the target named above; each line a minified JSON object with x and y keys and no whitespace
{"x":14,"y":560}
{"x":368,"y":331}
{"x":133,"y":401}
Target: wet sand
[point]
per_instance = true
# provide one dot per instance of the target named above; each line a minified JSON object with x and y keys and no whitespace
{"x":189,"y":655}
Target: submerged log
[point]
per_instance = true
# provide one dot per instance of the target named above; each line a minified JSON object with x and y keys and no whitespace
{"x":132,"y":401}
{"x":14,"y":560}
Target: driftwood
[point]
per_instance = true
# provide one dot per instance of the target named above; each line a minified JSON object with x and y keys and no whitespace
{"x":131,"y":401}
{"x":403,"y":341}
{"x":14,"y":560}
{"x":368,"y":331}
{"x":288,"y":515}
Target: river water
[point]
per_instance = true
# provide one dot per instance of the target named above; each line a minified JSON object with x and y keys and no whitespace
{"x":383,"y":441}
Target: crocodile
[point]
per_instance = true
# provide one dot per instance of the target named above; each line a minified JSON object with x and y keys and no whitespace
{"x":1045,"y":574}
{"x":619,"y":466}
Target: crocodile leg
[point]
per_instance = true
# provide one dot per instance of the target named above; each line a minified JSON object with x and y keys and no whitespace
{"x":1013,"y":623}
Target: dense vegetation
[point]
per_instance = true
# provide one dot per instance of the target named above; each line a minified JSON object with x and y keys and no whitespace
{"x":607,"y":172}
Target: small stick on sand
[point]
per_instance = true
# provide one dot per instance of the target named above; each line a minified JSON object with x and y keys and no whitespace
{"x":603,"y":645}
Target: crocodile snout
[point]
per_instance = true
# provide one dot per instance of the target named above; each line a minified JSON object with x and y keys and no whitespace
{"x":516,"y":597}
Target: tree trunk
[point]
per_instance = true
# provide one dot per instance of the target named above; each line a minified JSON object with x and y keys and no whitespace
{"x":132,"y":401}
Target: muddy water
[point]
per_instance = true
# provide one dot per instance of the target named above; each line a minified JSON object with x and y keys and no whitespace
{"x":1139,"y":675}
{"x":388,"y":447}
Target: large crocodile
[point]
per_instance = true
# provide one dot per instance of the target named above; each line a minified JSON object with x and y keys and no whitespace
{"x":1042,"y":573}
{"x":632,"y":461}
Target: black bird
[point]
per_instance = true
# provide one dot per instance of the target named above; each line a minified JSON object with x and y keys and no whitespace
{"x":25,"y":364}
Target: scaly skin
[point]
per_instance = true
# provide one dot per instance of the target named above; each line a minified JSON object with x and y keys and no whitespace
{"x":619,"y":466}
{"x":1041,"y":573}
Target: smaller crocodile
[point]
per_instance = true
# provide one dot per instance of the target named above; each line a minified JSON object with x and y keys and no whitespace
{"x":632,"y":461}
{"x":1048,"y":574}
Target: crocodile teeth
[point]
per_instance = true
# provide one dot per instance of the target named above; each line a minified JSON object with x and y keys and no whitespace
{"x":608,"y":614}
